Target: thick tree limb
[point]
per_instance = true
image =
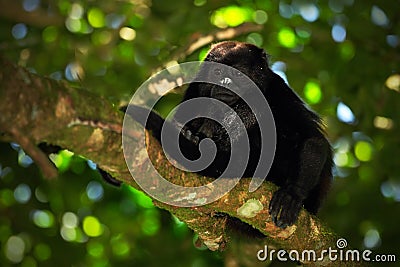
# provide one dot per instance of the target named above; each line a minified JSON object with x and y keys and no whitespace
{"x":49,"y":111}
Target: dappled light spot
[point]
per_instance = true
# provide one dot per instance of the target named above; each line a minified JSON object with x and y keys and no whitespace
{"x":96,"y":17}
{"x":383,"y":123}
{"x":74,"y":72}
{"x":363,"y":151}
{"x":372,"y":238}
{"x":127,"y":33}
{"x":68,"y":234}
{"x":91,"y":164}
{"x":344,"y":113}
{"x":6,"y":197}
{"x":347,"y":50}
{"x":379,"y":17}
{"x":199,"y":2}
{"x":22,"y":193}
{"x":391,"y":189}
{"x":95,"y":249}
{"x":120,"y":246}
{"x":203,"y":53}
{"x":231,"y":16}
{"x":309,"y":12}
{"x":19,"y":31}
{"x":94,"y":191}
{"x":23,"y":159}
{"x":62,"y":159}
{"x":393,"y":40}
{"x":126,"y":52}
{"x":141,"y":198}
{"x":303,"y":32}
{"x":287,"y":38}
{"x":73,"y":25}
{"x":135,"y":21}
{"x":338,"y":33}
{"x":49,"y":34}
{"x":41,"y":195}
{"x":92,"y":226}
{"x":15,"y":146}
{"x":393,"y":82}
{"x":114,"y":21}
{"x":180,"y":228}
{"x":341,"y":159}
{"x":341,"y":172}
{"x":342,"y":145}
{"x":336,"y":6}
{"x":76,"y":11}
{"x":42,"y":218}
{"x":279,"y":67}
{"x":4,"y":171}
{"x":151,"y":223}
{"x":285,"y":10}
{"x":260,"y":17}
{"x":42,"y":252}
{"x":102,"y":37}
{"x":312,"y":92}
{"x":30,"y":5}
{"x":70,"y":220}
{"x":57,"y":75}
{"x":255,"y":38}
{"x":15,"y":249}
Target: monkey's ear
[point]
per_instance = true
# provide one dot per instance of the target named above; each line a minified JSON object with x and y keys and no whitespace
{"x":265,"y":56}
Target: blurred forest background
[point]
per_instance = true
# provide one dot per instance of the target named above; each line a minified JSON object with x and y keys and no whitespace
{"x":341,"y":56}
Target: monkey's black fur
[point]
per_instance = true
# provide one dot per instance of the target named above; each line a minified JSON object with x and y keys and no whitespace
{"x":303,"y":158}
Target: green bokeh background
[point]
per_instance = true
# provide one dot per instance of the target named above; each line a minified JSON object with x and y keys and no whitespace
{"x":341,"y":56}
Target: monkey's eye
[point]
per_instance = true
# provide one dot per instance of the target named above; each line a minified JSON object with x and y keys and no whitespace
{"x":217,"y":72}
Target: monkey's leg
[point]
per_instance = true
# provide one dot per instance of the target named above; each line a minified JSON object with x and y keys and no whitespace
{"x":286,"y":203}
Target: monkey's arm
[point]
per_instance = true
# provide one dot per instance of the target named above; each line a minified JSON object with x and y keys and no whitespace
{"x":148,"y":119}
{"x":286,"y":203}
{"x":153,"y":122}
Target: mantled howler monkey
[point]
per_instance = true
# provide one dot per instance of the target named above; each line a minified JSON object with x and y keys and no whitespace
{"x":303,"y":158}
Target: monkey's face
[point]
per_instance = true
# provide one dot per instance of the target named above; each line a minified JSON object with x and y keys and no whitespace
{"x":227,"y":83}
{"x":245,"y":63}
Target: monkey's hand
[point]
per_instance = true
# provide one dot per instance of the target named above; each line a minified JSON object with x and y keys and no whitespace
{"x":284,"y":207}
{"x":190,"y":136}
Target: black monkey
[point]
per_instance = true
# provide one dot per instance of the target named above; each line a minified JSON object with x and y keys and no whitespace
{"x":302,"y":165}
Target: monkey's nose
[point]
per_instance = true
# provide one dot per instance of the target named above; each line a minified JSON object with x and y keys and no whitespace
{"x":226,"y":81}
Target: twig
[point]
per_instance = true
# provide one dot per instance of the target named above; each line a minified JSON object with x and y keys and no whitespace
{"x":198,"y":41}
{"x":43,"y":162}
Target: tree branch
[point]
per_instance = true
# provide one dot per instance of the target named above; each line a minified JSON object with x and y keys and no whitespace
{"x":13,"y":11}
{"x":50,"y":111}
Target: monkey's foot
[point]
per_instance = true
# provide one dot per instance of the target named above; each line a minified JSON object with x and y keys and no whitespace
{"x":284,"y":208}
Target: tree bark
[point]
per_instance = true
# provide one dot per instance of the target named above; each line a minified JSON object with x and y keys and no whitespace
{"x":43,"y":110}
